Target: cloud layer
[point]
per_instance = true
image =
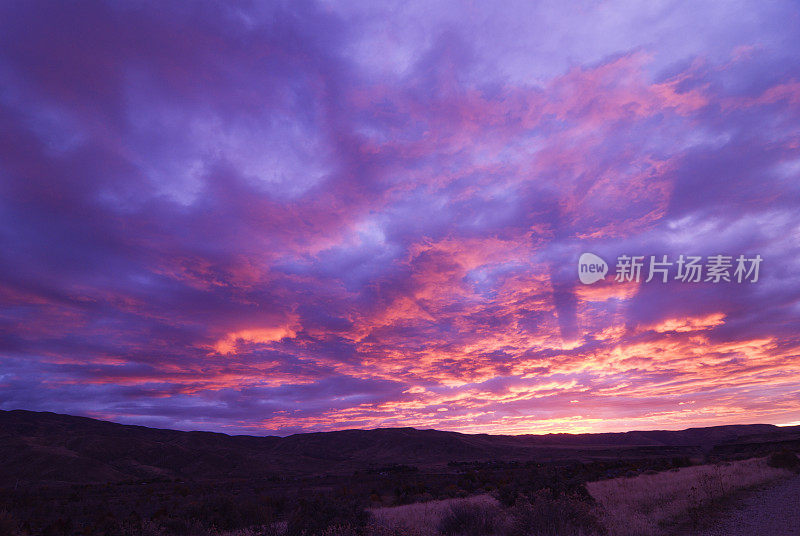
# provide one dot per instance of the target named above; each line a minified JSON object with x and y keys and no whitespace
{"x":319,"y":215}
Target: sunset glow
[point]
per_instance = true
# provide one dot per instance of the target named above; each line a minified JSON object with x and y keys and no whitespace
{"x":311,"y":216}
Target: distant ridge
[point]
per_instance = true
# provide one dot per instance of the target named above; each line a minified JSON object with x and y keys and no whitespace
{"x":43,"y":446}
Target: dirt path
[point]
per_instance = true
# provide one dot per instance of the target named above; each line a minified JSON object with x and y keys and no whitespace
{"x":774,"y":511}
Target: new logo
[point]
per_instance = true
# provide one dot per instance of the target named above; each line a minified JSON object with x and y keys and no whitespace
{"x":591,"y":268}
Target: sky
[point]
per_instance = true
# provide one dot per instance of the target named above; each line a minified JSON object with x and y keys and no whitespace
{"x":282,"y":217}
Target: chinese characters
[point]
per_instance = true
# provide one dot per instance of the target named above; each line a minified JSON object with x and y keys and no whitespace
{"x":688,"y":269}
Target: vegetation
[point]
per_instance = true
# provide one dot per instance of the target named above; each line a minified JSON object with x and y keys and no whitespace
{"x":652,"y":504}
{"x":547,"y":514}
{"x":784,"y":459}
{"x":644,"y":496}
{"x":470,"y":519}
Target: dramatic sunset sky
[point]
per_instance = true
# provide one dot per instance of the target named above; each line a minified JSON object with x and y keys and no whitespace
{"x":275,"y":217}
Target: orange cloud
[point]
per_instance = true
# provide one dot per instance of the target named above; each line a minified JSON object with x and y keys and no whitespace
{"x":690,"y":323}
{"x":231,"y":341}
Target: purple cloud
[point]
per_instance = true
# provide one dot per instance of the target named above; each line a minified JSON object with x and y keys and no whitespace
{"x":315,"y":216}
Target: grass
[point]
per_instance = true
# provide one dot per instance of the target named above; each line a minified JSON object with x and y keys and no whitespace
{"x":650,"y":504}
{"x":424,"y":519}
{"x":541,"y":514}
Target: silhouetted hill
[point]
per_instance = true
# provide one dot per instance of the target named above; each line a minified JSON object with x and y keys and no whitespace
{"x":41,"y":447}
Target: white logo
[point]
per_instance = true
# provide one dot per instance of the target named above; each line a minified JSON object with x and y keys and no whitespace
{"x":591,"y":268}
{"x":687,"y":269}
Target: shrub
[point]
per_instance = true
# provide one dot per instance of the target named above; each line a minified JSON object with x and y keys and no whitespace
{"x":784,"y":459}
{"x":507,"y":495}
{"x":547,"y":515}
{"x":340,"y":530}
{"x":470,"y":519}
{"x":317,"y":515}
{"x":8,"y":525}
{"x":144,"y":528}
{"x":59,"y":527}
{"x":227,"y":512}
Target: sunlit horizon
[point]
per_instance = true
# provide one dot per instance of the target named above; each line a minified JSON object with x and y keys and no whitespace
{"x":294,"y":217}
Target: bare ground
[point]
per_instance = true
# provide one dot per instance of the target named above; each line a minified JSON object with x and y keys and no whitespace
{"x":773,"y":511}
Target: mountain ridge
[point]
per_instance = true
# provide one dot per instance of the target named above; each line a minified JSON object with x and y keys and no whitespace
{"x":46,"y":446}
